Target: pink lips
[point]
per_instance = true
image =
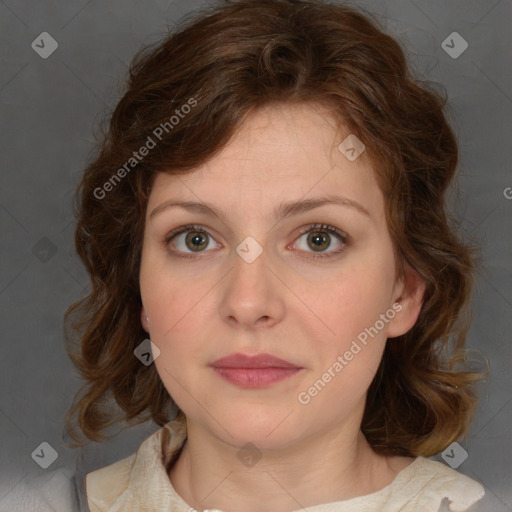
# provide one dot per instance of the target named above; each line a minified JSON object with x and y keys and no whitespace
{"x":254,"y":371}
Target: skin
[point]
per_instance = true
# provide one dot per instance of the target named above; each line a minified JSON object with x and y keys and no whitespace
{"x":304,"y":310}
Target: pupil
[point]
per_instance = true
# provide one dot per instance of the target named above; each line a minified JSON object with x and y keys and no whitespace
{"x":198,"y":241}
{"x":320,"y":241}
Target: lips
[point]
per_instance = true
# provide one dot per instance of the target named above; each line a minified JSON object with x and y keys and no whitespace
{"x":258,"y":361}
{"x":257,"y":371}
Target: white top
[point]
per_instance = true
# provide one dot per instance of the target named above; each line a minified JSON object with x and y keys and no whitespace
{"x":140,"y":483}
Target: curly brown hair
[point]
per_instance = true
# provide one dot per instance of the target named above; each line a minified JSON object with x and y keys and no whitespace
{"x":223,"y":64}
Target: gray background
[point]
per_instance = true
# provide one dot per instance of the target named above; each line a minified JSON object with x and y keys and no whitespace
{"x":50,"y":108}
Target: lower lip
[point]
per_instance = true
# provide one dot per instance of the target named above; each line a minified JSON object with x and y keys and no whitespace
{"x":255,"y":377}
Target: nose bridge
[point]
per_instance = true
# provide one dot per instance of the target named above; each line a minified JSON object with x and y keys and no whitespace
{"x":250,"y":273}
{"x":250,"y":291}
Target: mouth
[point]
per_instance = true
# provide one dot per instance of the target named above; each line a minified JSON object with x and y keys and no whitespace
{"x":257,"y":371}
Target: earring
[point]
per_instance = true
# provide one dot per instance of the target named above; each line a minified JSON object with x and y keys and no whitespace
{"x":147,"y":319}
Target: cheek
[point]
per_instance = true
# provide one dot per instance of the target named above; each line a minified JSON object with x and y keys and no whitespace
{"x":346,"y":359}
{"x":180,"y":308}
{"x":349,"y":349}
{"x":178,"y":315}
{"x":352,"y":300}
{"x":173,"y":300}
{"x":177,"y":329}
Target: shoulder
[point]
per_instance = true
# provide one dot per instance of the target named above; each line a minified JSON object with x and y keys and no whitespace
{"x":105,"y":485}
{"x":140,"y":476}
{"x":431,"y":483}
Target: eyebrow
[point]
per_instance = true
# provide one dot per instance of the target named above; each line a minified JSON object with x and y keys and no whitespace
{"x":284,"y":210}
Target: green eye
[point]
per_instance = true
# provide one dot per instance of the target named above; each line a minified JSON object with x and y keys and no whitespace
{"x":320,"y":237}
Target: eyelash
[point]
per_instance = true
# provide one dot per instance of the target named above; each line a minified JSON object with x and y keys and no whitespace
{"x":344,"y":239}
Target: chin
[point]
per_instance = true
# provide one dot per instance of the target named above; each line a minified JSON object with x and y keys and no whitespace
{"x":267,"y":430}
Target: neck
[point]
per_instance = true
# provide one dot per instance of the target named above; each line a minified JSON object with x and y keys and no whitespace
{"x":337,"y":465}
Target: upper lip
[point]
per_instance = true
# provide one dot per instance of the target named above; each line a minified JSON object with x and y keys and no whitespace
{"x":257,"y":361}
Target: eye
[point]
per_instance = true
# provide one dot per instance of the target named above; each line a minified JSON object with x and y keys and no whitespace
{"x":191,"y":239}
{"x":319,"y":238}
{"x":196,"y":240}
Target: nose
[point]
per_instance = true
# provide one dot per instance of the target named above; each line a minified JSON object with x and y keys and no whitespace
{"x":251,"y":295}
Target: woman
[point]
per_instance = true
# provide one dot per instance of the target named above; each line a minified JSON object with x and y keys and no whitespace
{"x":269,"y":250}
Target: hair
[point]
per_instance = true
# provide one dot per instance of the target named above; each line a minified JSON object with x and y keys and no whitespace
{"x":224,"y":63}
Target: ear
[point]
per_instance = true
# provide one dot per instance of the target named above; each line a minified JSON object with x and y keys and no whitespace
{"x":144,"y":319}
{"x":409,"y":293}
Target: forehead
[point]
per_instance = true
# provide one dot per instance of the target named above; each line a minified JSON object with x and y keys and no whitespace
{"x":278,"y":153}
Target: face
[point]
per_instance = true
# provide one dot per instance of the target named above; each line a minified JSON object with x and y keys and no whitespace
{"x":293,"y":259}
